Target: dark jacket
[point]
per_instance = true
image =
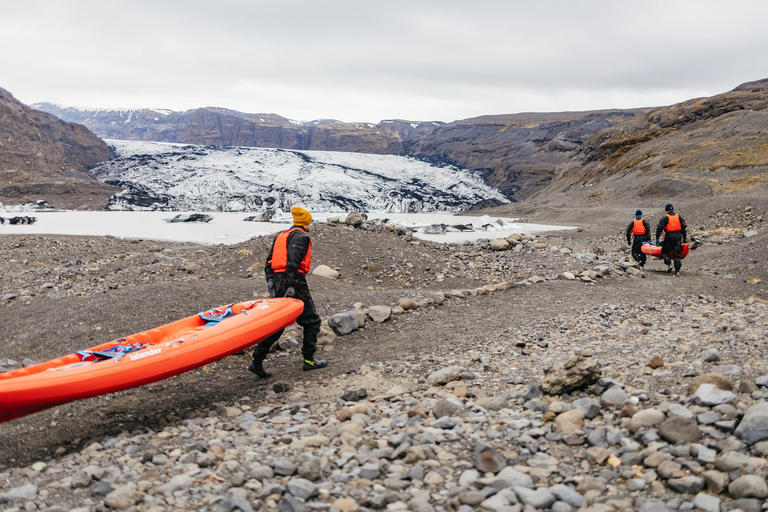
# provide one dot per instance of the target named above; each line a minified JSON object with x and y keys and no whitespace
{"x":297,"y":247}
{"x":645,"y":237}
{"x":663,"y":224}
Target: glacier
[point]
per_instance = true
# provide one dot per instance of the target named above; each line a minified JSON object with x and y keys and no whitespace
{"x":183,"y":177}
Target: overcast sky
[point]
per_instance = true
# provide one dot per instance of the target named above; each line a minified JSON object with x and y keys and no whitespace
{"x":362,"y":60}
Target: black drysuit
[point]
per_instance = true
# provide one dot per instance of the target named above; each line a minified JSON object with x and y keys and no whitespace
{"x":673,"y":241}
{"x":637,"y":253}
{"x":297,"y":247}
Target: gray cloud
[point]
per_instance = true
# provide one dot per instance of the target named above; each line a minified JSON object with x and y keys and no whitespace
{"x":366,"y":61}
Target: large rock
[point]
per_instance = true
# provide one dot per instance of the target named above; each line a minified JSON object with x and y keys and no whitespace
{"x":499,"y":244}
{"x":445,"y":375}
{"x":710,"y":395}
{"x":325,"y":271}
{"x":354,"y":219}
{"x":680,"y":429}
{"x":576,"y":373}
{"x":379,"y":314}
{"x":721,"y":381}
{"x":754,"y":425}
{"x":344,"y":323}
{"x":540,"y":498}
{"x":748,"y":486}
{"x":569,"y":421}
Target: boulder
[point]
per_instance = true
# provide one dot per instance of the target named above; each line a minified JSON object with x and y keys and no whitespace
{"x":754,"y":426}
{"x":499,"y":244}
{"x":379,"y":314}
{"x":710,"y":395}
{"x":680,"y":429}
{"x":445,"y":375}
{"x":325,"y":271}
{"x":344,"y":323}
{"x":578,"y":372}
{"x":721,"y":381}
{"x":354,"y":219}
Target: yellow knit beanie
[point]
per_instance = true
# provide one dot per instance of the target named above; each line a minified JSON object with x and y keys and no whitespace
{"x":301,"y":217}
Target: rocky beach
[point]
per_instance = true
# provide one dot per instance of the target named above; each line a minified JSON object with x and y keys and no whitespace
{"x":540,"y":372}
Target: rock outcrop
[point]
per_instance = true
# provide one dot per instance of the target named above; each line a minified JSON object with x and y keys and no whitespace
{"x":42,"y":157}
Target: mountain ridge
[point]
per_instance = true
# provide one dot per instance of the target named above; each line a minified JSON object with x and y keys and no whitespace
{"x":513,"y":152}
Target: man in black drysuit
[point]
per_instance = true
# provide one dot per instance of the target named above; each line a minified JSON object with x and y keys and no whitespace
{"x":642,"y":231}
{"x":287,"y":265}
{"x":675,"y":235}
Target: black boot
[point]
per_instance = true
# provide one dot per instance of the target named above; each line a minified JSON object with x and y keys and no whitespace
{"x":310,"y":364}
{"x":257,"y":368}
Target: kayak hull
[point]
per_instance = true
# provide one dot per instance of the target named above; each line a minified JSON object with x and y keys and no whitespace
{"x":168,"y":350}
{"x":655,"y":250}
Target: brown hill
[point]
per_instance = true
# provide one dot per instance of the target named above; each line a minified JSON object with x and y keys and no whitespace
{"x":42,"y":157}
{"x":689,"y":150}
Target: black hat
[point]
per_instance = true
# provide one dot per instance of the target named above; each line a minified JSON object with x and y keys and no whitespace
{"x":669,"y":207}
{"x":638,"y":213}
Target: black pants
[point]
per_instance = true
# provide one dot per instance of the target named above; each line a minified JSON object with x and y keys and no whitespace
{"x":308,"y":319}
{"x":673,"y":243}
{"x":637,"y":253}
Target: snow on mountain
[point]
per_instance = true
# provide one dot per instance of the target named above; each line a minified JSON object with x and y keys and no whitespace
{"x":162,"y":176}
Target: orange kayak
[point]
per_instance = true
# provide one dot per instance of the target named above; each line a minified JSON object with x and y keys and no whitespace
{"x":145,"y":357}
{"x":655,"y":250}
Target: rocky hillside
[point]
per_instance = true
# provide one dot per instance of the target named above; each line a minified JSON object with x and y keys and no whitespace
{"x":689,"y":150}
{"x":42,"y":157}
{"x":515,"y":153}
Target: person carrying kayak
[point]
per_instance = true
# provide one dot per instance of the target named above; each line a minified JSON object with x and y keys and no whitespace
{"x":287,"y":265}
{"x":642,"y":232}
{"x":675,"y":235}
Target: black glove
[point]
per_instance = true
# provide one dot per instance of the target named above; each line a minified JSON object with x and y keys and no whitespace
{"x":290,"y":292}
{"x":271,"y":288}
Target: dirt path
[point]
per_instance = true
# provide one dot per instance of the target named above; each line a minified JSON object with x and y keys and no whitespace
{"x":44,"y":329}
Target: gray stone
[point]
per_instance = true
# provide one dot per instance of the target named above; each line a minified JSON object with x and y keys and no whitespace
{"x":710,"y":395}
{"x":533,"y":391}
{"x":686,"y":484}
{"x":290,"y":503}
{"x":711,"y":355}
{"x":762,"y":381}
{"x":354,"y":394}
{"x":539,"y":498}
{"x":379,"y":314}
{"x":561,"y":506}
{"x":589,"y":406}
{"x":370,"y":471}
{"x":239,"y":504}
{"x":301,"y":488}
{"x":285,"y":467}
{"x":654,"y":506}
{"x":706,"y":502}
{"x":635,"y":484}
{"x":344,"y":323}
{"x":679,"y":429}
{"x":754,"y":425}
{"x":122,"y":498}
{"x":102,"y":488}
{"x":680,"y":411}
{"x":748,"y":486}
{"x":80,"y":479}
{"x":310,"y":469}
{"x":568,"y":495}
{"x":176,"y":483}
{"x":27,"y":491}
{"x":614,"y":396}
{"x":513,"y":478}
{"x":444,"y":408}
{"x":716,"y":481}
{"x":445,"y":375}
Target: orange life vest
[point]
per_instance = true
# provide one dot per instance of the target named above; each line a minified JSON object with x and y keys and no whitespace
{"x":638,"y":228}
{"x":280,"y":253}
{"x":673,"y":223}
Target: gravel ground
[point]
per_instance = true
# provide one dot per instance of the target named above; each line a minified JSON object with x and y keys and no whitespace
{"x":61,"y":294}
